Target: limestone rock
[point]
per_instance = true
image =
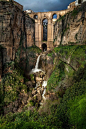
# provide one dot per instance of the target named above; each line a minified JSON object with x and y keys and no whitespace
{"x":71,"y":28}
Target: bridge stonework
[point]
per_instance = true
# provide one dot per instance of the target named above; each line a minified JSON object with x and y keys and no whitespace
{"x":50,"y":27}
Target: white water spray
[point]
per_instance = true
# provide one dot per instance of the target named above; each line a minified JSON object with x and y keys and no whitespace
{"x":44,"y":84}
{"x":36,"y":66}
{"x":36,"y":69}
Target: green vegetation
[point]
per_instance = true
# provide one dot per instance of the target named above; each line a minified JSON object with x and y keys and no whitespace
{"x":61,"y":18}
{"x":50,"y":54}
{"x":32,"y":77}
{"x":75,"y":55}
{"x":34,"y":49}
{"x":68,"y":82}
{"x":66,"y":112}
{"x":11,"y":86}
{"x":65,"y":51}
{"x":56,"y":76}
{"x":74,"y":12}
{"x":65,"y":30}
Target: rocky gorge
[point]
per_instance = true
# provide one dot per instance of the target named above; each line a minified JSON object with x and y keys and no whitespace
{"x":45,"y":90}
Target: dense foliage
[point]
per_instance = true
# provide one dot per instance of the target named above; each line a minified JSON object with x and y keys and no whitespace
{"x":34,"y":49}
{"x":68,"y":112}
{"x":70,"y":59}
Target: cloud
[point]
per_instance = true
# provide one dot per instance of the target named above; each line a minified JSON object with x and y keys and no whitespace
{"x":44,"y":5}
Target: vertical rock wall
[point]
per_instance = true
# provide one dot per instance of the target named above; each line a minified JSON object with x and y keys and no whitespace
{"x":30,"y":30}
{"x":71,"y":28}
{"x":16,"y":29}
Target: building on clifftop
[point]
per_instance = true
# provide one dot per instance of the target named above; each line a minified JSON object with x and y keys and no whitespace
{"x":79,"y":2}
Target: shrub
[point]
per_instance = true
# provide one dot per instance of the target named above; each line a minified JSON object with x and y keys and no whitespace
{"x":77,"y":112}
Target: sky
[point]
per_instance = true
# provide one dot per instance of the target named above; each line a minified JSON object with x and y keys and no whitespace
{"x":44,"y":5}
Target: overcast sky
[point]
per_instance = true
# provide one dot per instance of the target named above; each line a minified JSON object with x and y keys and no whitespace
{"x":44,"y":5}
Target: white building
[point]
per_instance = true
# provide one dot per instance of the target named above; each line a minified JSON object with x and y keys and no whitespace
{"x":78,"y":2}
{"x":29,"y":11}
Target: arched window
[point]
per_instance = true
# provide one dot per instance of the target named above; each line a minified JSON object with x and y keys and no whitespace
{"x":54,"y":16}
{"x":35,"y":16}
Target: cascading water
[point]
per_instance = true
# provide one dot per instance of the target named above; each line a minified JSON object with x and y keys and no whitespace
{"x":36,"y":66}
{"x":44,"y":83}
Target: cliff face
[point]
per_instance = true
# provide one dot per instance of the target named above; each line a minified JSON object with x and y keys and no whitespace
{"x":13,"y":27}
{"x":62,"y":66}
{"x":71,"y":28}
{"x":16,"y":31}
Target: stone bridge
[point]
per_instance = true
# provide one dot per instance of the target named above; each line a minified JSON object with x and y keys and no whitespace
{"x":39,"y":17}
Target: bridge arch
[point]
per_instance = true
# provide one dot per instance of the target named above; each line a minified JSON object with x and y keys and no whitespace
{"x":44,"y":29}
{"x":39,"y":41}
{"x":35,"y":16}
{"x":44,"y":47}
{"x":54,"y":16}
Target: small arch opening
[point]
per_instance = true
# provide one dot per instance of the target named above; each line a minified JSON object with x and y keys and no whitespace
{"x":44,"y":47}
{"x":54,"y":16}
{"x":35,"y":16}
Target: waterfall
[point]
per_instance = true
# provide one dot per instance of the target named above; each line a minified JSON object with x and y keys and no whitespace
{"x":36,"y":66}
{"x":37,"y":63}
{"x":44,"y":84}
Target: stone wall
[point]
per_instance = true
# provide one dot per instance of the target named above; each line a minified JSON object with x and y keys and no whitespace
{"x":71,"y":28}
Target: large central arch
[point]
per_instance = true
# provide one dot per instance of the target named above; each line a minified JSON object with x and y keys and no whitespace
{"x":44,"y":29}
